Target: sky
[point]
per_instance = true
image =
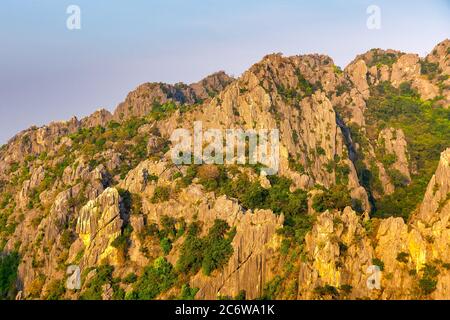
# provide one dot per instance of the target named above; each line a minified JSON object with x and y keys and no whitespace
{"x":50,"y":73}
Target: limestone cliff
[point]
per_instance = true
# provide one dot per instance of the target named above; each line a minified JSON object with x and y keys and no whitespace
{"x":364,"y":181}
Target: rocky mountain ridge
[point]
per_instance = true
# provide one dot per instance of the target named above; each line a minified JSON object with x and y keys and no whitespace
{"x":363,"y":180}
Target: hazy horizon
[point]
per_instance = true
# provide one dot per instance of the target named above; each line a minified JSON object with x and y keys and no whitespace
{"x":49,"y":73}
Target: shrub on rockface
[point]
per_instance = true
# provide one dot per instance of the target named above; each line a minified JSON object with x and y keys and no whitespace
{"x":209,"y":253}
{"x":161,"y":194}
{"x":56,"y":290}
{"x":94,"y":288}
{"x":191,"y":253}
{"x":337,"y":197}
{"x":156,"y":279}
{"x":218,"y":249}
{"x":8,"y":274}
{"x":427,"y":132}
{"x":122,"y":242}
{"x":187,"y":293}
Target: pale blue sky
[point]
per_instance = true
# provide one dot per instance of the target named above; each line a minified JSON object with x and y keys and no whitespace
{"x":50,"y":73}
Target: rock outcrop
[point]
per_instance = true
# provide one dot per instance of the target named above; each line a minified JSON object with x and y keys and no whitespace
{"x":102,"y":191}
{"x":98,"y":225}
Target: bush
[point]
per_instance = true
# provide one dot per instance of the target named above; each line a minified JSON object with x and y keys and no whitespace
{"x":191,"y":253}
{"x":398,"y":178}
{"x":168,"y":227}
{"x":130,"y":278}
{"x":377,"y":262}
{"x":56,"y":290}
{"x":428,"y":281}
{"x":403,"y":257}
{"x":162,"y":111}
{"x":161,"y":194}
{"x":122,"y":240}
{"x":342,"y":88}
{"x":346,"y":289}
{"x":380,"y":58}
{"x":320,"y":151}
{"x":337,"y":197}
{"x":429,"y":68}
{"x":187,"y":293}
{"x":132,"y":202}
{"x":218,"y":249}
{"x":427,"y":132}
{"x":8,"y":274}
{"x":430,"y":271}
{"x":94,"y":288}
{"x":166,"y":245}
{"x":272,"y":288}
{"x":427,"y":286}
{"x":208,"y":253}
{"x":156,"y":279}
{"x":327,"y":290}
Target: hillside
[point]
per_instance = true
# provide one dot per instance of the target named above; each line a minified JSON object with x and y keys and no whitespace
{"x":364,"y":180}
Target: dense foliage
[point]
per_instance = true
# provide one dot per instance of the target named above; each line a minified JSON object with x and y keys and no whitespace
{"x":8,"y":274}
{"x":208,"y":253}
{"x":156,"y":279}
{"x":427,"y":131}
{"x":103,"y":277}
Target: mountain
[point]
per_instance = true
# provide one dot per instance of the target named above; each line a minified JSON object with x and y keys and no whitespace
{"x":363,"y":181}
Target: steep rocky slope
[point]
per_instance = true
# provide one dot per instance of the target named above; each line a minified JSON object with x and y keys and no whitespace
{"x":363,"y":180}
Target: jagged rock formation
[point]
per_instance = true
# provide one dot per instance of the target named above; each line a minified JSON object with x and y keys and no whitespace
{"x":102,"y":191}
{"x":140,"y":102}
{"x":99,"y":223}
{"x":393,"y":140}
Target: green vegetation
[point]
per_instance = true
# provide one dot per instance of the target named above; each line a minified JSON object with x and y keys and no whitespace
{"x":132,"y":202}
{"x":272,"y":288}
{"x":427,"y":131}
{"x":218,"y":247}
{"x":403,"y":257}
{"x":161,"y":194}
{"x":123,"y":138}
{"x":296,"y":166}
{"x":342,"y":88}
{"x":187,"y":293}
{"x":94,"y":289}
{"x":8,"y":274}
{"x":56,"y":290}
{"x":209,"y":253}
{"x":191,"y":254}
{"x":130,"y":278}
{"x":379,"y":58}
{"x":169,"y":231}
{"x":379,"y":263}
{"x":427,"y":286}
{"x":429,"y":68}
{"x":428,"y":282}
{"x":251,"y":195}
{"x":7,"y":207}
{"x":337,"y":69}
{"x":122,"y":242}
{"x":337,"y":197}
{"x":156,"y":279}
{"x":327,"y":291}
{"x":162,"y":111}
